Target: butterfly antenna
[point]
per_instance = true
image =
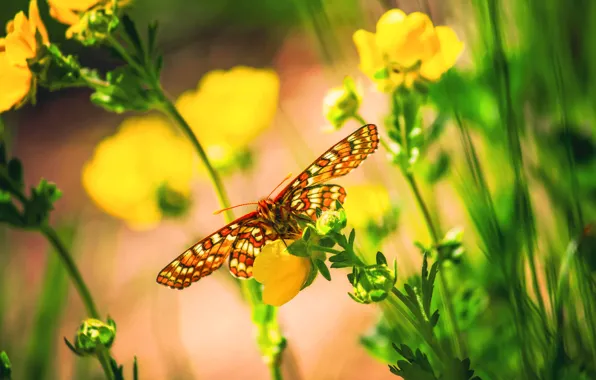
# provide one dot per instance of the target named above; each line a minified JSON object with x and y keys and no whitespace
{"x":277,"y":187}
{"x":229,"y":208}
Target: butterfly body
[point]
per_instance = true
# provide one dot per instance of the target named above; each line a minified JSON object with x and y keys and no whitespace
{"x":274,"y":218}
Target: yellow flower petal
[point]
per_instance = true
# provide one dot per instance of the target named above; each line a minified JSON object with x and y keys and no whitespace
{"x":64,"y":15}
{"x":281,"y":273}
{"x":450,"y":50}
{"x":15,"y":83}
{"x":74,"y":5}
{"x":371,"y":59}
{"x":231,"y":108}
{"x":20,"y":43}
{"x":128,"y":168}
{"x":36,"y":23}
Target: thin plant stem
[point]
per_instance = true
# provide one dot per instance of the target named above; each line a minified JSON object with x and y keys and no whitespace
{"x":444,"y":288}
{"x":165,"y":105}
{"x":71,"y":268}
{"x":169,"y":109}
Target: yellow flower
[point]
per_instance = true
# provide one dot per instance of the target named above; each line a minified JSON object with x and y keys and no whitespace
{"x":230,"y":108}
{"x":406,"y":48}
{"x":366,"y":203}
{"x":136,"y":173}
{"x":281,"y":273}
{"x":20,"y":44}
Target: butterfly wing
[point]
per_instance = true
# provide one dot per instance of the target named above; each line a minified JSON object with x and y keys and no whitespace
{"x":252,"y":236}
{"x":307,"y":200}
{"x":203,"y":258}
{"x":304,"y":194}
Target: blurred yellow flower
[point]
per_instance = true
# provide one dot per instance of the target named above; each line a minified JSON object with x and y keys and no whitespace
{"x":406,"y":48}
{"x":230,"y":108}
{"x":366,"y":203}
{"x":142,"y":173}
{"x":281,"y":273}
{"x":21,"y":43}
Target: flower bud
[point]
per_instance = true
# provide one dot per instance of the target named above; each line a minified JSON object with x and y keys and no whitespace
{"x":94,"y":335}
{"x":372,"y":283}
{"x":341,"y":103}
{"x":94,"y":26}
{"x":331,"y":220}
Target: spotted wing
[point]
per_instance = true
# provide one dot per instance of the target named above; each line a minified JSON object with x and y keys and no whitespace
{"x":206,"y":256}
{"x":252,"y":236}
{"x":307,"y":200}
{"x":336,"y":162}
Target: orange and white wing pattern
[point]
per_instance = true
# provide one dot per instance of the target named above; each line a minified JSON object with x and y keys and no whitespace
{"x":206,"y":256}
{"x":336,"y":162}
{"x":251,"y":238}
{"x":306,"y":201}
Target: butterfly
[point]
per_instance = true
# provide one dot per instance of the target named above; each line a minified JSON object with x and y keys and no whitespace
{"x":275,"y":218}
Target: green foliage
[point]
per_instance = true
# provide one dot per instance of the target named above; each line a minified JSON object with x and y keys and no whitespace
{"x":5,"y":367}
{"x":52,"y":303}
{"x":18,"y":209}
{"x":416,"y":366}
{"x":418,"y":299}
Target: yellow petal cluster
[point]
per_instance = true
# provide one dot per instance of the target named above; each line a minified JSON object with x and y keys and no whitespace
{"x":22,"y":42}
{"x":230,"y":108}
{"x":406,"y":48}
{"x":281,"y":273}
{"x":127,"y":170}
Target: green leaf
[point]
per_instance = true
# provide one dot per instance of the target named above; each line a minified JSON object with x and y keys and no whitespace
{"x":2,"y":149}
{"x":456,"y":369}
{"x":299,"y":248}
{"x":312,"y":275}
{"x":9,"y":213}
{"x":40,"y":203}
{"x":5,"y":367}
{"x":327,"y":242}
{"x":152,"y":37}
{"x":15,"y":172}
{"x":135,"y":369}
{"x":381,"y":260}
{"x":415,"y":366}
{"x":126,"y":92}
{"x":318,"y":212}
{"x":133,"y":34}
{"x":306,"y":234}
{"x":352,"y":237}
{"x":438,"y":169}
{"x":322,"y":267}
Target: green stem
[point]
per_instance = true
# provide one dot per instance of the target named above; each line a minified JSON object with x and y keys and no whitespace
{"x":267,"y":329}
{"x":444,"y":288}
{"x":72,"y":270}
{"x":250,"y":286}
{"x":169,"y":109}
{"x":80,"y":286}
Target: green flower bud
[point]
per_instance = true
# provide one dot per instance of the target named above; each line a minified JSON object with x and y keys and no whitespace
{"x":372,"y":283}
{"x":94,"y":335}
{"x":172,"y":203}
{"x":331,"y":221}
{"x":94,"y":26}
{"x":341,"y":103}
